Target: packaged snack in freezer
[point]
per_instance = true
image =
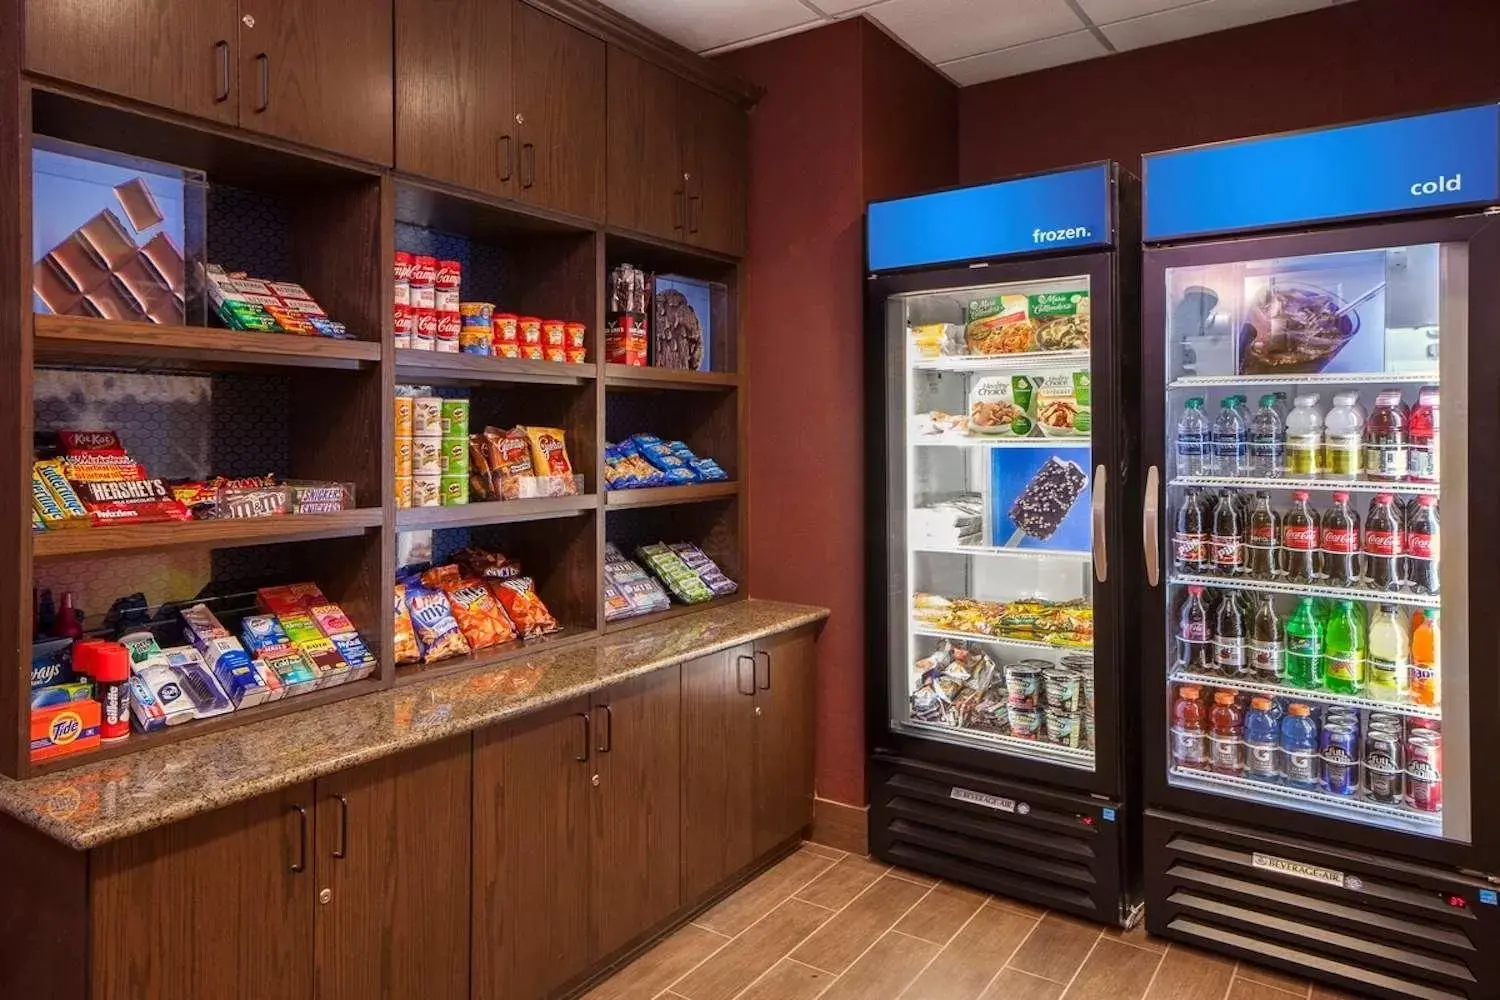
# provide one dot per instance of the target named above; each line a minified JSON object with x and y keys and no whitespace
{"x":1064,"y":405}
{"x":999,"y":324}
{"x":1000,"y":406}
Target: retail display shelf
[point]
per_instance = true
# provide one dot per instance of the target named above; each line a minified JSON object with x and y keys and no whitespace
{"x":652,"y":379}
{"x":494,"y":512}
{"x":1302,"y":694}
{"x":660,"y":496}
{"x":958,"y":441}
{"x":84,"y":342}
{"x":440,"y":368}
{"x":1048,"y":555}
{"x":1342,"y":806}
{"x":1040,"y":748}
{"x":1366,"y":594}
{"x":217,"y":534}
{"x":1290,"y":483}
{"x":565,"y":636}
{"x":999,"y":640}
{"x":675,"y":611}
{"x":1029,"y":361}
{"x":1322,"y":378}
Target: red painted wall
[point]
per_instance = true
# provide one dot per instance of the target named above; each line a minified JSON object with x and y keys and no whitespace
{"x":846,"y":112}
{"x":1359,"y":60}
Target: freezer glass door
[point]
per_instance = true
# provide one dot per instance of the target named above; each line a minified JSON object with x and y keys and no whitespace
{"x":992,"y":522}
{"x":1317,"y":653}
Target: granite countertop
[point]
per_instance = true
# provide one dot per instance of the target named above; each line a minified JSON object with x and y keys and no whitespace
{"x":93,"y":804}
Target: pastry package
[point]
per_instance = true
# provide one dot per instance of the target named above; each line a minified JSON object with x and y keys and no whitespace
{"x":522,"y":605}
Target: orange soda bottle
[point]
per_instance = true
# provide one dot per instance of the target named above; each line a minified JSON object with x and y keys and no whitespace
{"x":1423,"y":677}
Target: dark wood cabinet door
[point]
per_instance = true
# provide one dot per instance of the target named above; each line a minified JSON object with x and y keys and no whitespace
{"x":393,"y":859}
{"x":177,"y":55}
{"x":319,"y":74}
{"x":718,"y":768}
{"x":786,"y":695}
{"x":453,"y":77}
{"x":531,"y":930}
{"x":644,"y":153}
{"x":220,"y":905}
{"x":637,"y":807}
{"x":559,"y":99}
{"x":716,"y":155}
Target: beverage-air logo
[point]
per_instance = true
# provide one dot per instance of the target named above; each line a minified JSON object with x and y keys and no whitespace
{"x":1297,"y":869}
{"x":1438,"y":185}
{"x":995,"y":802}
{"x":1039,"y":235}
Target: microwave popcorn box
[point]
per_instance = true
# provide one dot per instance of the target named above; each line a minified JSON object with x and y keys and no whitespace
{"x":69,"y":728}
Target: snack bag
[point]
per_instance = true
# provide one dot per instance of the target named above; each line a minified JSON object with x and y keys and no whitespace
{"x":522,"y":605}
{"x":486,"y":564}
{"x":407,"y":650}
{"x":479,"y":616}
{"x":508,"y":455}
{"x":432,"y":619}
{"x":438,"y":577}
{"x":549,"y":457}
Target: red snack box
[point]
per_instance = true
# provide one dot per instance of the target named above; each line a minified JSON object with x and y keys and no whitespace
{"x":449,"y":274}
{"x":423,"y":270}
{"x":406,"y":325}
{"x":138,"y":511}
{"x":96,"y":442}
{"x":425,"y":335}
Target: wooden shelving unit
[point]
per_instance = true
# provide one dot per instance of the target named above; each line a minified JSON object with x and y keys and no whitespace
{"x":469,"y":370}
{"x":567,"y":635}
{"x":665,"y":496}
{"x":494,"y":512}
{"x":71,"y":543}
{"x":675,"y":611}
{"x":78,"y":342}
{"x":661,"y":379}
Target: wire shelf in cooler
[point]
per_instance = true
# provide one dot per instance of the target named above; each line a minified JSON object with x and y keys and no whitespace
{"x":942,"y":633}
{"x":1366,"y":594}
{"x":1040,"y":748}
{"x":1003,"y":362}
{"x":956,"y":441}
{"x":1339,"y":806}
{"x":1338,"y":378}
{"x":1345,"y":485}
{"x":1005,"y":552}
{"x":1303,"y":694}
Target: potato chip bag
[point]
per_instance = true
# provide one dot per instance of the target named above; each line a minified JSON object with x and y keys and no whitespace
{"x":478,"y":614}
{"x":522,"y":605}
{"x":432,"y":619}
{"x":549,"y":457}
{"x":407,"y":650}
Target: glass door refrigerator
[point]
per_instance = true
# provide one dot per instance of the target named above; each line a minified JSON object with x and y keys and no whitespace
{"x":1321,"y":628}
{"x":1001,"y":330}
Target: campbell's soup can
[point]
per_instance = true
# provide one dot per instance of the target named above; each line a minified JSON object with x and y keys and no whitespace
{"x":448,"y":326}
{"x":403,"y":278}
{"x":449,"y":274}
{"x":424,"y":334}
{"x":423,"y":271}
{"x":1424,"y":771}
{"x":405,"y":325}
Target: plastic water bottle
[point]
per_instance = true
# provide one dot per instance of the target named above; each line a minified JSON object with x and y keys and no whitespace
{"x":1304,"y":438}
{"x":1267,"y":440}
{"x":1262,"y":741}
{"x":1299,"y":746}
{"x":1231,"y":453}
{"x":1193,"y":440}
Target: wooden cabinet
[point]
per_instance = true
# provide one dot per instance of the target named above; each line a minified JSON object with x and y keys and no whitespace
{"x":216,"y":906}
{"x":718,"y":768}
{"x":559,"y":83}
{"x":715,"y":160}
{"x":319,"y":73}
{"x":644,"y":153}
{"x":637,"y":806}
{"x":393,"y":876}
{"x":164,"y":52}
{"x":532,"y":784}
{"x":785,"y":699}
{"x":454,"y":120}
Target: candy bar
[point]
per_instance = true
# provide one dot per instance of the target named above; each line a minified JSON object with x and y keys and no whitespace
{"x":101,"y":467}
{"x":1041,"y":507}
{"x":75,"y":262}
{"x":166,"y":260}
{"x":53,"y":497}
{"x":124,"y":491}
{"x":108,"y":238}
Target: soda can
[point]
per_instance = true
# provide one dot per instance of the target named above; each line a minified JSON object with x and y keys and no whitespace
{"x":1384,"y":718}
{"x":1424,"y":771}
{"x":1420,"y":723}
{"x":1339,"y":714}
{"x":1339,"y":747}
{"x":1385,"y":767}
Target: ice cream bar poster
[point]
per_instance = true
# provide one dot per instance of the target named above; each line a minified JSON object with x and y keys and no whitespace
{"x":1039,"y":498}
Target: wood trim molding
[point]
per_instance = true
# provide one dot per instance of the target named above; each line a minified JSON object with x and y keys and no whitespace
{"x":841,"y":826}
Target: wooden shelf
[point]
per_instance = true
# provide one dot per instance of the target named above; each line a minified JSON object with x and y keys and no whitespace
{"x":67,"y":543}
{"x":566,"y":636}
{"x":632,"y":377}
{"x":661,"y":496}
{"x":433,"y":368}
{"x":675,"y":611}
{"x":80,"y":341}
{"x":494,"y":512}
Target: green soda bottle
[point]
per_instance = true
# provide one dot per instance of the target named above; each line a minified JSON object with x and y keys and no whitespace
{"x":1344,"y":649}
{"x":1304,"y":647}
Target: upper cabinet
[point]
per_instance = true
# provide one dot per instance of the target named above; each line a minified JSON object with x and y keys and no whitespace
{"x":676,"y":157}
{"x":319,"y":73}
{"x":454,"y":120}
{"x":163,"y":52}
{"x":559,"y":86}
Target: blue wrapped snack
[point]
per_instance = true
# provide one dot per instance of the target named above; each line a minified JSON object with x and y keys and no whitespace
{"x":708,"y":470}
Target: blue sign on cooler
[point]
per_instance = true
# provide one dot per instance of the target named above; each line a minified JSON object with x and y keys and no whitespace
{"x":1489,"y":897}
{"x":1068,"y":209}
{"x":1412,"y":164}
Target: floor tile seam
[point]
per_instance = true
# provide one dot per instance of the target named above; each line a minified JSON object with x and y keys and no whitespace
{"x":1306,"y":994}
{"x":876,"y":940}
{"x":1078,"y":971}
{"x":1036,"y":922}
{"x":954,"y":937}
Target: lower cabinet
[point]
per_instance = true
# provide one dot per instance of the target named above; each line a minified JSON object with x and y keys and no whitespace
{"x":786,"y":668}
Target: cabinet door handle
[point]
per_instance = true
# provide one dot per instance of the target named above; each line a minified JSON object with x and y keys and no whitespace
{"x":505,"y":158}
{"x":694,"y":200}
{"x":679,"y":209}
{"x":263,"y":82}
{"x":528,"y":164}
{"x":300,"y":865}
{"x":587,"y":743}
{"x":608,"y":742}
{"x":342,"y":851}
{"x":221,"y":63}
{"x":767,"y":685}
{"x":739,"y":674}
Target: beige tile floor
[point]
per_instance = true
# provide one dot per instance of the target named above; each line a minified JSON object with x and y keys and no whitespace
{"x":835,"y":926}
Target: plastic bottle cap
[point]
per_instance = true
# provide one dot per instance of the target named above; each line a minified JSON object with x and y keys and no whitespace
{"x":1300,"y":495}
{"x":1384,"y":498}
{"x":1427,"y":501}
{"x":1223,"y":697}
{"x":1311,"y":399}
{"x":1269,"y":399}
{"x":1189,"y":691}
{"x":1261,"y":704}
{"x":1195,"y":402}
{"x":1195,"y":590}
{"x":1341,"y":497}
{"x":108,"y":662}
{"x":1297,"y":708}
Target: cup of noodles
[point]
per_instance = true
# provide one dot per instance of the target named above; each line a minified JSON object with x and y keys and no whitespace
{"x":578,"y":355}
{"x":405,"y":325}
{"x":554,"y":333}
{"x":529,"y":330}
{"x":504,"y":326}
{"x":550,"y":353}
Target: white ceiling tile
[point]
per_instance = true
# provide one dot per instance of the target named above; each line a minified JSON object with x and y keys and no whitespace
{"x":1107,"y":11}
{"x":1200,"y":19}
{"x":1073,"y":47}
{"x":838,"y":8}
{"x":707,"y":24}
{"x":943,"y":30}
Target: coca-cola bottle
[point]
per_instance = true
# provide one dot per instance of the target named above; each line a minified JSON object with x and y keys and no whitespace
{"x":1193,"y":637}
{"x":1229,"y":638}
{"x":1382,"y":546}
{"x":1228,"y":544}
{"x":1299,"y":541}
{"x":1190,"y":537}
{"x":1340,"y":543}
{"x":1422,"y":546}
{"x":1262,"y":538}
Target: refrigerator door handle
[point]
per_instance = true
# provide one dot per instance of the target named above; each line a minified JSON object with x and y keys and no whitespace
{"x":1099,"y":502}
{"x":1149,"y":511}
